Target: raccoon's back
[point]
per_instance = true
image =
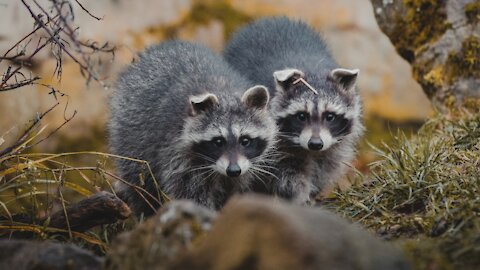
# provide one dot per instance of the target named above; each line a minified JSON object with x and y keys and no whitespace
{"x":149,"y":106}
{"x":276,"y":43}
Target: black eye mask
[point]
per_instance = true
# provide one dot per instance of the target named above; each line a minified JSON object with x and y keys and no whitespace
{"x":291,"y":124}
{"x":255,"y":148}
{"x":339,"y":126}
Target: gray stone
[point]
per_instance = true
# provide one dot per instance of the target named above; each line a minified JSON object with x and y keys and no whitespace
{"x":441,"y":40}
{"x":23,"y":255}
{"x":161,"y":238}
{"x":254,"y":232}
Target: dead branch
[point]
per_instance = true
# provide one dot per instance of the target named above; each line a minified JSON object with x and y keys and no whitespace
{"x":99,"y":209}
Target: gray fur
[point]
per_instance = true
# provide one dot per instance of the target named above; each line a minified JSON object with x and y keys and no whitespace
{"x":282,"y":45}
{"x":155,"y":117}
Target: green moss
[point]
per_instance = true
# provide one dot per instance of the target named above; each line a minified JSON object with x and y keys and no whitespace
{"x":203,"y":12}
{"x":424,"y":254}
{"x":466,"y":62}
{"x":425,"y":189}
{"x":423,"y":22}
{"x":472,"y":11}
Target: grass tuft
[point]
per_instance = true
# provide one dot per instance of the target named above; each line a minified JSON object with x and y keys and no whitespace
{"x":35,"y":185}
{"x":424,"y":192}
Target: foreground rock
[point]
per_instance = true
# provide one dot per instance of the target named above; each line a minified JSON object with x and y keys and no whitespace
{"x":155,"y":243}
{"x":23,"y":255}
{"x":440,"y":39}
{"x":260,"y":233}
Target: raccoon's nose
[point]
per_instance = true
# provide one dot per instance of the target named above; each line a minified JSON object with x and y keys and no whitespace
{"x":233,"y":170}
{"x":315,"y":144}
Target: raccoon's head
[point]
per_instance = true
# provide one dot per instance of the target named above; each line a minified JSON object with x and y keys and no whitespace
{"x":316,"y":111}
{"x":227,"y":135}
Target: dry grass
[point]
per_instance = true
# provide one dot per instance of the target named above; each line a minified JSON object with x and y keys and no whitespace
{"x":424,"y":193}
{"x":35,"y":185}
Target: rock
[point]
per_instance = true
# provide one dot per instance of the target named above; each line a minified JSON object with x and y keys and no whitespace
{"x":161,"y":238}
{"x":256,"y":232}
{"x":441,"y":40}
{"x":22,"y":255}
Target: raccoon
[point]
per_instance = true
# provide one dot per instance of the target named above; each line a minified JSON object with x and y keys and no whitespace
{"x":315,"y":104}
{"x":204,"y":129}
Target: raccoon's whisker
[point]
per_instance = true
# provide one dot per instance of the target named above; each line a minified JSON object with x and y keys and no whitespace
{"x":199,"y":168}
{"x":265,"y":160}
{"x":212,"y":176}
{"x":343,"y":129}
{"x":257,"y":177}
{"x":266,"y":166}
{"x":210,"y":173}
{"x":272,"y":153}
{"x":287,"y":136}
{"x":277,"y":153}
{"x":204,"y":157}
{"x":260,"y":170}
{"x":270,"y":158}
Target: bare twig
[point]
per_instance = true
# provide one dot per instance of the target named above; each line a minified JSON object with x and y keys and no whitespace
{"x":19,"y":84}
{"x":62,"y":36}
{"x":306,"y":84}
{"x":101,"y":208}
{"x":87,"y":11}
{"x":26,"y":133}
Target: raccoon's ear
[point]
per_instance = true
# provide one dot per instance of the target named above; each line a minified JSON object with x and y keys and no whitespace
{"x":284,"y":78}
{"x":347,"y":78}
{"x":256,"y":97}
{"x":201,"y":103}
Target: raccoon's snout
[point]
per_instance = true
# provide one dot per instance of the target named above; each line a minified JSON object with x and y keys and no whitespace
{"x":233,"y":170}
{"x":232,"y":167}
{"x":315,"y":144}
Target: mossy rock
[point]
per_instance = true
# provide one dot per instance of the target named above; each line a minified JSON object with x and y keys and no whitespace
{"x":472,"y":11}
{"x":203,"y":12}
{"x":440,"y":39}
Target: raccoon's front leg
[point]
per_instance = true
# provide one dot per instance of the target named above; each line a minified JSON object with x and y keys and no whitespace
{"x":296,"y":187}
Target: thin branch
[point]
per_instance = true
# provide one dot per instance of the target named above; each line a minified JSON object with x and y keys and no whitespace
{"x":20,"y":41}
{"x":88,"y":12}
{"x":52,"y":35}
{"x":19,"y":84}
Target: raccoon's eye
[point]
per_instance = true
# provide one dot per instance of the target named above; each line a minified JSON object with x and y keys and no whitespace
{"x":219,"y":141}
{"x":245,"y":141}
{"x":302,"y":116}
{"x":330,"y":117}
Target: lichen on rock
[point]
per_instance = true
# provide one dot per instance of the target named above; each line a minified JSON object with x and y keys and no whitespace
{"x":440,"y":39}
{"x":160,"y":239}
{"x":472,"y":11}
{"x":466,"y":62}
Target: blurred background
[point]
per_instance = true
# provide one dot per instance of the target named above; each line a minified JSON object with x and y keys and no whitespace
{"x":391,"y":97}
